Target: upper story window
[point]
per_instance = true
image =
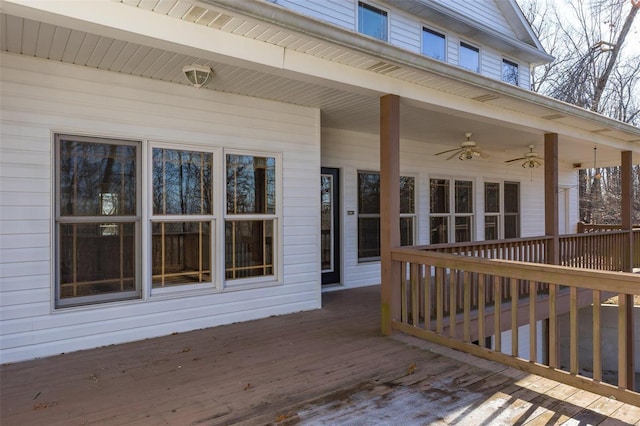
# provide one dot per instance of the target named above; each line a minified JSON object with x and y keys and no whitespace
{"x":372,"y":21}
{"x":433,"y":44}
{"x":510,"y":72}
{"x":469,"y":57}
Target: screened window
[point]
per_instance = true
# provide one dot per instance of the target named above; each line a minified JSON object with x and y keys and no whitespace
{"x":433,"y":44}
{"x":447,"y":224}
{"x":469,"y":57}
{"x":369,"y":214}
{"x":372,"y":21}
{"x":511,"y":210}
{"x":250,"y":216}
{"x":510,"y":72}
{"x":97,"y":220}
{"x":182,"y":221}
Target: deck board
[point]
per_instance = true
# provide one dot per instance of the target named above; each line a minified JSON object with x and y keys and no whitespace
{"x":319,"y":367}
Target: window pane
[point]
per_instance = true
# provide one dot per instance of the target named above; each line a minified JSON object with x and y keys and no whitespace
{"x":96,"y":258}
{"x":491,"y":227}
{"x":464,"y":196}
{"x":469,"y":57}
{"x":510,"y":72}
{"x":511,"y":198}
{"x":372,"y":21}
{"x":326,"y":222}
{"x":439,"y":229}
{"x":406,"y":231}
{"x":491,"y":197}
{"x":407,"y":194}
{"x":368,"y":238}
{"x":182,"y":182}
{"x":511,"y":226}
{"x":251,"y":184}
{"x":368,"y":193}
{"x":463,"y":228}
{"x":439,"y":196}
{"x":433,"y":44}
{"x":249,"y":248}
{"x":181,"y":253}
{"x":97,"y":179}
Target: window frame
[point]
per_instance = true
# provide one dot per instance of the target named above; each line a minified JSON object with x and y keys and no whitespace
{"x":276,"y":218}
{"x":411,"y":216}
{"x":211,"y":218}
{"x":470,"y":47}
{"x":502,"y":214}
{"x":443,"y":35}
{"x":374,"y":7}
{"x":513,"y":64}
{"x":452,"y":214}
{"x":58,"y":220}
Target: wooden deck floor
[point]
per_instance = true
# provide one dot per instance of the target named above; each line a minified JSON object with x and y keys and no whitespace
{"x":328,"y":366}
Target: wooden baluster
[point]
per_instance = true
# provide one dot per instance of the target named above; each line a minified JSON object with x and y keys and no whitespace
{"x":481,"y":310}
{"x":533,"y":330}
{"x":403,"y":293}
{"x":439,"y":298}
{"x":573,"y":328}
{"x":553,"y":326}
{"x":597,"y":337}
{"x":514,"y":316}
{"x":497,"y":311}
{"x":467,"y":305}
{"x":453,"y":304}
{"x":427,"y":298}
{"x":415,"y":292}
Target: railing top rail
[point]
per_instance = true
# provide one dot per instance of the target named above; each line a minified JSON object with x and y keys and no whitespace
{"x":620,"y":282}
{"x":481,"y":243}
{"x":594,"y":234}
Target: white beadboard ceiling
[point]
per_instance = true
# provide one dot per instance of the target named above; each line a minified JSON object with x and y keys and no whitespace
{"x":340,"y":109}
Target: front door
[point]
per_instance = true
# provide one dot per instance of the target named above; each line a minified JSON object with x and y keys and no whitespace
{"x":330,"y":226}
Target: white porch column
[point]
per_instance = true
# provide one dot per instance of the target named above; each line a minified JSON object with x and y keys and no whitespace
{"x":389,"y":207}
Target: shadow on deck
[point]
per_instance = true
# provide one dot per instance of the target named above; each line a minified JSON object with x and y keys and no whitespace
{"x":329,"y":366}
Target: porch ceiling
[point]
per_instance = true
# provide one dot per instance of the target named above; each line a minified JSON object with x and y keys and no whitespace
{"x":343,"y":106}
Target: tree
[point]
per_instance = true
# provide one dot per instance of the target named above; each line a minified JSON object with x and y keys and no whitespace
{"x":595,"y":65}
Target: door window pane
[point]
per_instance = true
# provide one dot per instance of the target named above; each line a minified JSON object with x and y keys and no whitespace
{"x":182,"y":182}
{"x":372,"y":21}
{"x":326,"y":222}
{"x":433,"y":44}
{"x":469,"y":57}
{"x":251,"y":184}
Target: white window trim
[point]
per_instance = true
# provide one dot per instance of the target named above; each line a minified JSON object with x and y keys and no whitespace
{"x":376,"y":6}
{"x":424,"y":27}
{"x":216,"y":283}
{"x":278,"y":249}
{"x":451,"y":215}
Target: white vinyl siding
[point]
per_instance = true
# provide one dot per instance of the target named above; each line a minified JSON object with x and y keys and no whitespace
{"x":486,"y":12}
{"x":76,"y":100}
{"x":337,"y":12}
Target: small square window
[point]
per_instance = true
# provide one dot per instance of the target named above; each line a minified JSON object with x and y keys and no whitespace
{"x":433,"y":44}
{"x":469,"y":57}
{"x":510,"y":72}
{"x":372,"y":21}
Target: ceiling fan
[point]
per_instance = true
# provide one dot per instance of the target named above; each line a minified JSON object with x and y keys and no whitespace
{"x":466,"y":151}
{"x":531,"y":159}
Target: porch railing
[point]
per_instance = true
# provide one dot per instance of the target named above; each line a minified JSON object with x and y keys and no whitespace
{"x":431,"y":284}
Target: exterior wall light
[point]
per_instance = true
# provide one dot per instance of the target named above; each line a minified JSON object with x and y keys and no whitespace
{"x":198,"y":75}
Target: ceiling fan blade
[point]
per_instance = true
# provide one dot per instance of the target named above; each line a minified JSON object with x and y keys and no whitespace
{"x":516,"y":159}
{"x":449,"y":150}
{"x":458,"y":152}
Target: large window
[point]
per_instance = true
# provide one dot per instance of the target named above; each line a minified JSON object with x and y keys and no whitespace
{"x":182,"y":218}
{"x":510,"y":72}
{"x":447,"y":208}
{"x":372,"y":21}
{"x":511,"y":210}
{"x":469,"y":57}
{"x":97,"y":220}
{"x":250,"y":223}
{"x":501,"y":219}
{"x":433,"y":44}
{"x":369,"y":214}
